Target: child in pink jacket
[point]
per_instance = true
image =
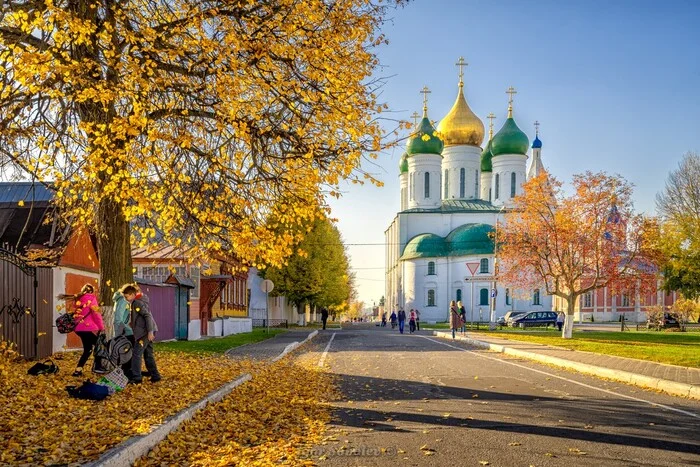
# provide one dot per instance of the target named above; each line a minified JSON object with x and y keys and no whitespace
{"x":89,"y":322}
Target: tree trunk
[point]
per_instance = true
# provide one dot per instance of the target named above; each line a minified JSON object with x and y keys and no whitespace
{"x":568,"y":328}
{"x":114,"y":249}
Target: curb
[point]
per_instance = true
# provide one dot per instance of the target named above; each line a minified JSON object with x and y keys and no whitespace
{"x":127,"y":452}
{"x":294,"y":345}
{"x":674,"y":388}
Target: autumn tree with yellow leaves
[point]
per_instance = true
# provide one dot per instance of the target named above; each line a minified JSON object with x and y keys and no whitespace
{"x":572,"y":243}
{"x":190,"y":121}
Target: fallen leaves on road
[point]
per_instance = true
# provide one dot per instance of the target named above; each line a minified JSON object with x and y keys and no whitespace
{"x":273,"y":419}
{"x":42,"y":424}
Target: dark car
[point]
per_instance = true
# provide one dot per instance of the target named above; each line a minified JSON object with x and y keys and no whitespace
{"x":505,"y":319}
{"x":535,"y":318}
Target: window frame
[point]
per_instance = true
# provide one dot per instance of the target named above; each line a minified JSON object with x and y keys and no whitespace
{"x":512,"y":184}
{"x":536,"y":299}
{"x":462,"y":182}
{"x":497,"y":188}
{"x":426,"y":178}
{"x":431,"y":268}
{"x":483,"y":295}
{"x":484,"y":266}
{"x":430,"y":296}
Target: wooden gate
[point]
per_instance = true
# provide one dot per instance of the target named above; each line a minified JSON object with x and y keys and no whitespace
{"x":22,"y":318}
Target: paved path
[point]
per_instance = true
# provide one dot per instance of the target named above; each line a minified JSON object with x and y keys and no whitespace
{"x":420,"y":400}
{"x":679,"y":374}
{"x":269,"y":348}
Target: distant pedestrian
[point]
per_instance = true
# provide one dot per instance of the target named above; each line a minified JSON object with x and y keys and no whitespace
{"x":324,"y":316}
{"x":383,"y":320}
{"x":455,"y":320}
{"x":560,"y":320}
{"x":462,"y":315}
{"x":402,"y":320}
{"x":86,"y":313}
{"x":412,"y":321}
{"x":393,"y":318}
{"x":417,"y":320}
{"x":144,"y":328}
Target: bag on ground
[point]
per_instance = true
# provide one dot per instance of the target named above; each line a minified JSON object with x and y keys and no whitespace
{"x":114,"y":381}
{"x":65,"y":323}
{"x":88,"y":391}
{"x":102,"y":363}
{"x":48,"y":367}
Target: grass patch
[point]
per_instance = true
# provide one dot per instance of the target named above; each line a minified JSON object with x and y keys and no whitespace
{"x":218,"y":345}
{"x":674,"y":348}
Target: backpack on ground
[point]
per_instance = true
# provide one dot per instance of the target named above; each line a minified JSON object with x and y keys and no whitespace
{"x":88,"y":391}
{"x":48,"y":367}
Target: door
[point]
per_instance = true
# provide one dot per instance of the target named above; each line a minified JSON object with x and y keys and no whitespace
{"x":183,"y":313}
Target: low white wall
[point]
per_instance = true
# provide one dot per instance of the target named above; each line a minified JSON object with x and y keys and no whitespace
{"x":194,"y":330}
{"x":230,"y":325}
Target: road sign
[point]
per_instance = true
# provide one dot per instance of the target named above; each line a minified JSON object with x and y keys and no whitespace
{"x":494,"y":292}
{"x":472,"y":267}
{"x":267,"y":285}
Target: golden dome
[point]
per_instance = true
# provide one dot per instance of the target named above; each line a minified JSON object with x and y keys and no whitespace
{"x":461,"y":125}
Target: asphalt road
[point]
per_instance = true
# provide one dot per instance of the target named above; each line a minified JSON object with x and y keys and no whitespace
{"x":421,"y":400}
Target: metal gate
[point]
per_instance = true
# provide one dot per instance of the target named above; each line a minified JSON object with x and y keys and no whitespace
{"x":19,"y":315}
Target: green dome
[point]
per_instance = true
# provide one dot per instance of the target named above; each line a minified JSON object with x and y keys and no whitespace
{"x":486,"y":156}
{"x":425,"y":141}
{"x":470,"y":239}
{"x":510,"y":140}
{"x":425,"y":245}
{"x":403,"y":165}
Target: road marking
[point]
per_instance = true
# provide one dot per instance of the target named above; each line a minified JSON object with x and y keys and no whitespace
{"x":325,"y":352}
{"x":655,"y":404}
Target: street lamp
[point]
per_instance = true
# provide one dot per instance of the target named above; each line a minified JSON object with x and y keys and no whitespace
{"x":494,"y":290}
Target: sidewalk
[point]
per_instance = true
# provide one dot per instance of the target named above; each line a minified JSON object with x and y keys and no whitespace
{"x":676,"y":380}
{"x":269,"y":348}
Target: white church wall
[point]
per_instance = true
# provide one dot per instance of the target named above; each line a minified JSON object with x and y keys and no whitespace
{"x":503,"y":166}
{"x":454,"y":159}
{"x":418,"y":166}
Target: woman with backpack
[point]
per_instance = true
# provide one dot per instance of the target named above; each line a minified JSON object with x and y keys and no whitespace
{"x":86,"y":314}
{"x":462,"y":315}
{"x":455,"y":320}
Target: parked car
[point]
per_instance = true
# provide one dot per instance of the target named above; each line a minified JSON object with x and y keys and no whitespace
{"x":668,"y":321}
{"x":505,"y":319}
{"x":535,"y":318}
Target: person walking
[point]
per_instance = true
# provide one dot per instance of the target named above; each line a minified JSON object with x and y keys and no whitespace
{"x":144,"y":328}
{"x":89,"y":322}
{"x":383,"y":320}
{"x":455,"y":320}
{"x":393,"y":319}
{"x":560,"y":320}
{"x":462,"y":315}
{"x":417,"y":320}
{"x":412,"y":321}
{"x":402,"y":320}
{"x":324,"y":316}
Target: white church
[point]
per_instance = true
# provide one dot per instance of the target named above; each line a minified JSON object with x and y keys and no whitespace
{"x":440,"y":245}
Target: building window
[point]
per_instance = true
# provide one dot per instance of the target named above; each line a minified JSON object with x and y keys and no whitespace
{"x":507,"y":296}
{"x":427,"y":184}
{"x":484,"y":266}
{"x":483,"y":297}
{"x":431,"y":297}
{"x":431,"y":268}
{"x":625,"y":300}
{"x":588,"y":299}
{"x":410,"y":187}
{"x":458,"y":295}
{"x":498,"y":182}
{"x":462,"y":178}
{"x":512,"y":185}
{"x":476,"y":184}
{"x":536,"y":297}
{"x":447,"y":184}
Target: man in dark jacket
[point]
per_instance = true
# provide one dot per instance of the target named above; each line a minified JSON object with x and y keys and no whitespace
{"x":324,"y":316}
{"x":144,"y":328}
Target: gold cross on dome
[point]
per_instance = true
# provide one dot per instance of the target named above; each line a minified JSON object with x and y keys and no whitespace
{"x":511,"y":90}
{"x":537,"y":128}
{"x":415,"y":118}
{"x":425,"y":91}
{"x":491,"y":118}
{"x":461,"y":64}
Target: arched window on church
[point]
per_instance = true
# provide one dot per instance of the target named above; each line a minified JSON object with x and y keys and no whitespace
{"x":498,"y":182}
{"x":458,"y":295}
{"x":536,"y":297}
{"x":484,"y":266}
{"x":512,"y":184}
{"x":447,"y":184}
{"x":431,"y":297}
{"x":483,"y":297}
{"x":431,"y":268}
{"x":476,"y":184}
{"x":507,"y":296}
{"x":427,"y":184}
{"x":410,"y":187}
{"x":462,"y":181}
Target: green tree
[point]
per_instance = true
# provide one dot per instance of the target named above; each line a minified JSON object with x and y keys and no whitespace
{"x":678,"y":237}
{"x":318,"y":273}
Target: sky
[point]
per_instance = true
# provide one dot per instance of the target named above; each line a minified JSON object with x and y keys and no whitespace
{"x":615,"y":85}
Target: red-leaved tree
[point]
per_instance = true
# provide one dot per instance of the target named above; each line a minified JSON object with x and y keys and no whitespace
{"x":572,"y":244}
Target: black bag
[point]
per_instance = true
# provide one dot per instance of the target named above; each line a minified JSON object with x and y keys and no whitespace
{"x":88,"y":391}
{"x":65,"y":323}
{"x":101,"y":363}
{"x":120,"y":350}
{"x":43,"y":368}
